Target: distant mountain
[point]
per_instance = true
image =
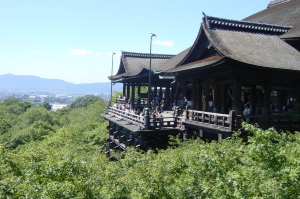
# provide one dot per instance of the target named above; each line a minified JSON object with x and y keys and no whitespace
{"x":28,"y":83}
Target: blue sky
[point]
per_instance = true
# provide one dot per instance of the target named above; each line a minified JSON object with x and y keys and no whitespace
{"x":73,"y":40}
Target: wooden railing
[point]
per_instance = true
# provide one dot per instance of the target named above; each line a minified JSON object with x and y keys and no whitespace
{"x":131,"y":118}
{"x":160,"y":122}
{"x":144,"y":122}
{"x":214,"y":119}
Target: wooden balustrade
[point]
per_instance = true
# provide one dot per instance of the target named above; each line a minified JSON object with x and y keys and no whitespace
{"x":213,"y":119}
{"x":160,"y":122}
{"x":125,"y":115}
{"x":139,"y":120}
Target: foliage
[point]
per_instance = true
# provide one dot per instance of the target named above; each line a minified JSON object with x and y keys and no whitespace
{"x":84,"y":101}
{"x":46,"y":106}
{"x":295,"y":113}
{"x":59,"y":155}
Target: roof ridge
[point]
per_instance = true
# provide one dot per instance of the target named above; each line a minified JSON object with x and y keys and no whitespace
{"x":146,"y":55}
{"x":209,"y":20}
{"x":276,"y":2}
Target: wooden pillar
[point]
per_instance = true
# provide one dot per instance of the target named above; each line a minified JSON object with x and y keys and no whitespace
{"x":297,"y":94}
{"x":183,"y":92}
{"x":281,"y":95}
{"x":219,"y":137}
{"x":267,"y":99}
{"x":194,"y":95}
{"x":206,"y":97}
{"x":128,"y":90}
{"x":253,"y":100}
{"x":124,"y":88}
{"x":216,"y":96}
{"x":199,"y":96}
{"x":155,"y":92}
{"x":237,"y":105}
{"x":224,"y":96}
{"x":173,"y":94}
{"x":160,"y":93}
{"x":139,"y":89}
{"x":201,"y":133}
{"x":259,"y":102}
{"x":133,"y":94}
{"x":167,"y":96}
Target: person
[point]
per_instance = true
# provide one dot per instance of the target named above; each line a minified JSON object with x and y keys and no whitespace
{"x":216,"y":108}
{"x":210,"y":106}
{"x":157,"y":100}
{"x":139,"y":101}
{"x":246,"y":112}
{"x":162,"y":106}
{"x":185,"y":102}
{"x":152,"y":105}
{"x":174,"y":109}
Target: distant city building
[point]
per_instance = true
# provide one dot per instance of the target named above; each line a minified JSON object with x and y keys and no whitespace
{"x":58,"y":106}
{"x":60,"y":95}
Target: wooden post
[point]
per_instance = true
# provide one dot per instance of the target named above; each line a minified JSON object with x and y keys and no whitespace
{"x":167,"y":96}
{"x":219,"y":137}
{"x":194,"y":95}
{"x":201,"y":133}
{"x":232,"y":120}
{"x":186,"y":113}
{"x":206,"y":97}
{"x":216,"y":96}
{"x":124,"y":88}
{"x":183,"y":93}
{"x":128,"y":91}
{"x":160,"y":93}
{"x":199,"y":96}
{"x":237,"y":105}
{"x":147,"y":119}
{"x":133,"y":95}
{"x":252,"y":100}
{"x":155,"y":92}
{"x":267,"y":99}
{"x":224,"y":95}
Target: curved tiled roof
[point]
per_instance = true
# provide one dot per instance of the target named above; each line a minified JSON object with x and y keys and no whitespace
{"x":258,"y":46}
{"x":197,"y":64}
{"x":133,"y":64}
{"x":251,"y":43}
{"x":286,"y":14}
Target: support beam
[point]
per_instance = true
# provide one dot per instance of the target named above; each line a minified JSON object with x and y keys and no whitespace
{"x":199,"y":96}
{"x":267,"y":99}
{"x":124,"y":88}
{"x":128,"y":91}
{"x":206,"y":97}
{"x":252,"y":100}
{"x":194,"y":94}
{"x":237,"y":105}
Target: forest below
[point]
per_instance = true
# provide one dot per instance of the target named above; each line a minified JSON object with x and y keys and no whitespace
{"x":45,"y":154}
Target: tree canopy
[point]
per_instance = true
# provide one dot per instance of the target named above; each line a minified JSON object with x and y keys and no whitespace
{"x":59,"y":155}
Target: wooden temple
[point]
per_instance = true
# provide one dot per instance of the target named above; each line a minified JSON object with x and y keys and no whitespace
{"x":231,"y":65}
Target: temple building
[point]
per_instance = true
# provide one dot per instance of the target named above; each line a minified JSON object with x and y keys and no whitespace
{"x":232,"y":65}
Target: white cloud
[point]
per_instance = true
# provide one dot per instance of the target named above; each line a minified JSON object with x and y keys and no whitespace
{"x":98,"y":53}
{"x":163,"y":43}
{"x":77,"y":52}
{"x":36,"y":52}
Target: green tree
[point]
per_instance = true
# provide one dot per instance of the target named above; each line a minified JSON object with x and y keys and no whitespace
{"x":46,"y":106}
{"x":84,"y":101}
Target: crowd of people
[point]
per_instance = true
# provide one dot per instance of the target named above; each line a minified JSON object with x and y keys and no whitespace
{"x":124,"y":104}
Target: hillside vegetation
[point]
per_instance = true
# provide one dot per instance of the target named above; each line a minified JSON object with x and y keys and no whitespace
{"x":59,"y":155}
